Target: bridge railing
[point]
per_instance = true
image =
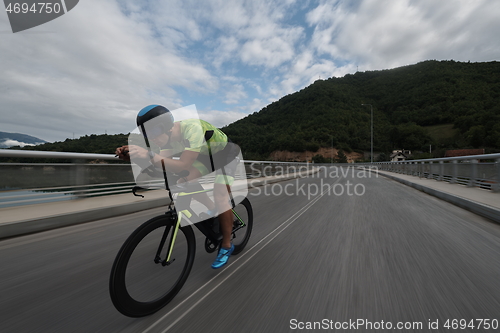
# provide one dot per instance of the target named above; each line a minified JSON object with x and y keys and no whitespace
{"x":30,"y":183}
{"x":473,"y":171}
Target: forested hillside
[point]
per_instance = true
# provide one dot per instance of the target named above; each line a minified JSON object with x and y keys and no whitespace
{"x":438,"y":104}
{"x":408,"y":102}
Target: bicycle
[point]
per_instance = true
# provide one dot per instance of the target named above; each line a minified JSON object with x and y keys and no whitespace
{"x":155,"y":261}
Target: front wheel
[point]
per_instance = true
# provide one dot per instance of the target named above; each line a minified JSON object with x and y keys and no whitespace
{"x":242,"y":225}
{"x":141,"y":282}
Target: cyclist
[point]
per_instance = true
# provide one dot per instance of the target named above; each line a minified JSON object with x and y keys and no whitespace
{"x":195,"y":139}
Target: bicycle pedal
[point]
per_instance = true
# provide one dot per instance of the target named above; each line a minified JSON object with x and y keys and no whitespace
{"x":210,"y":247}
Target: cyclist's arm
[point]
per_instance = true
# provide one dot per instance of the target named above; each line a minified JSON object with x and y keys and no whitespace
{"x":185,"y":161}
{"x":193,"y":133}
{"x":122,"y":153}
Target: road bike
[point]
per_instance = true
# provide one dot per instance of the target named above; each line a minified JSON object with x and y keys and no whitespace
{"x":155,"y":261}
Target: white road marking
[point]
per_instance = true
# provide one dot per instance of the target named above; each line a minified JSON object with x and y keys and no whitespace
{"x":286,"y":224}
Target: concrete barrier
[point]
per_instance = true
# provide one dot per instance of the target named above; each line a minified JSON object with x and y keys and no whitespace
{"x":22,"y":220}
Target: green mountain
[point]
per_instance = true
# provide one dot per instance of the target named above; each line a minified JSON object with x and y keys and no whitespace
{"x":409,"y":104}
{"x":438,"y":104}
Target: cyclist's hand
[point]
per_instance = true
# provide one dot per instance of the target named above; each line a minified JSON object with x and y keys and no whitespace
{"x":123,"y":153}
{"x":138,"y":152}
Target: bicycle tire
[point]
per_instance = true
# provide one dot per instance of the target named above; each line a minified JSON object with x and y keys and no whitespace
{"x":241,"y":236}
{"x":138,"y":286}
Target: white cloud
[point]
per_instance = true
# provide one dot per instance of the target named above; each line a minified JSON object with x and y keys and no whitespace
{"x":254,"y":32}
{"x":11,"y":143}
{"x":228,"y":15}
{"x":221,"y":118}
{"x":234,"y":95}
{"x":270,"y":52}
{"x":303,"y":71}
{"x":96,"y":69}
{"x":226,"y":47}
{"x":381,"y":34}
{"x":93,"y":68}
{"x":254,"y":105}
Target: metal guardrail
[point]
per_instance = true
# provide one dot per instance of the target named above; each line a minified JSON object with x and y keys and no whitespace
{"x":472,"y":171}
{"x":31,"y":183}
{"x":54,"y":154}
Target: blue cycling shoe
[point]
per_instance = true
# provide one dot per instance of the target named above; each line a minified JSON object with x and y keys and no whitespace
{"x":222,"y":257}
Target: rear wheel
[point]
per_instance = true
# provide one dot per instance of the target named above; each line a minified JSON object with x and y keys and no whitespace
{"x":242,"y":225}
{"x":141,"y":282}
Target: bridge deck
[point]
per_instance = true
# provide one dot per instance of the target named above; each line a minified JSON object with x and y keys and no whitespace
{"x":483,"y":202}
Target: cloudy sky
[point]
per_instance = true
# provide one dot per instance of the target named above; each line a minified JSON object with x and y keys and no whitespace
{"x":91,"y":70}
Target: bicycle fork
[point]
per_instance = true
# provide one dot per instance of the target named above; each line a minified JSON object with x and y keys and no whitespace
{"x":167,"y":261}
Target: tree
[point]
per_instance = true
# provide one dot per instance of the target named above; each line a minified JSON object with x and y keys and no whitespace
{"x":382,"y":157}
{"x":341,"y":158}
{"x":320,"y":159}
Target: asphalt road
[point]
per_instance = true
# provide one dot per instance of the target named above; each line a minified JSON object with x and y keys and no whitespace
{"x":385,"y":255}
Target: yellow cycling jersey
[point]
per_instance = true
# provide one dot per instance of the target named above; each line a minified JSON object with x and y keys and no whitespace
{"x":193,"y":138}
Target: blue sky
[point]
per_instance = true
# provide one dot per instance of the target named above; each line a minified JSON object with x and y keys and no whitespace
{"x":91,"y":70}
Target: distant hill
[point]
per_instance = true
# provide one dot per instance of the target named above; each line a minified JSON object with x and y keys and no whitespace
{"x":98,"y":144}
{"x":408,"y":104}
{"x":17,"y":139}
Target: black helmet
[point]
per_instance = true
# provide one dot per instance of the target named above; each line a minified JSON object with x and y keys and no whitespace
{"x":152,"y":111}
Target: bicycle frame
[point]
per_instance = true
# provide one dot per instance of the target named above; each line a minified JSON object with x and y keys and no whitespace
{"x":203,"y":226}
{"x":169,"y":239}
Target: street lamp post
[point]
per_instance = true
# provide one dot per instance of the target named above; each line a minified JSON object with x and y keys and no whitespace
{"x":371,"y":112}
{"x":331,"y":138}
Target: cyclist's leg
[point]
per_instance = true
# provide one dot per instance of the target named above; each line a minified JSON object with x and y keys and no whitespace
{"x":222,"y":189}
{"x":221,"y":195}
{"x":195,"y":173}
